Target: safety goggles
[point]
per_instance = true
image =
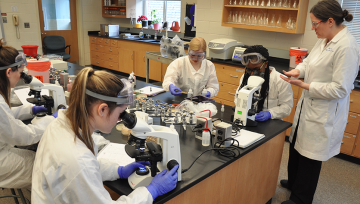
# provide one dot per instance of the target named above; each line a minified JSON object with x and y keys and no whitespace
{"x":125,"y":96}
{"x":253,"y":58}
{"x":20,"y":61}
{"x":196,"y":55}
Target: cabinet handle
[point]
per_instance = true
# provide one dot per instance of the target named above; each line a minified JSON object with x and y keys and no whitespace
{"x":234,"y":76}
{"x":110,"y":65}
{"x":97,"y":48}
{"x":110,"y":50}
{"x":144,"y":58}
{"x":106,"y":42}
{"x":97,"y":55}
{"x":131,"y":56}
{"x":110,"y":58}
{"x":97,"y":62}
{"x":351,"y":101}
{"x":232,"y":93}
{"x":114,"y":43}
{"x":353,"y":116}
{"x":342,"y":142}
{"x":347,"y":136}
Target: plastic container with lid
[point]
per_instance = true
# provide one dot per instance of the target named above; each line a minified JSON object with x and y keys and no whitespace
{"x":39,"y":69}
{"x":297,"y":55}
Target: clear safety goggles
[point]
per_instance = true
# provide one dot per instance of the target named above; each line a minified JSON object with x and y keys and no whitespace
{"x":197,"y":55}
{"x":125,"y":96}
{"x":20,"y":61}
{"x":254,"y":58}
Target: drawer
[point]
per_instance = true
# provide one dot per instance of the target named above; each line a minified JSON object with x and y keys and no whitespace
{"x":111,"y":65}
{"x":93,"y":40}
{"x":100,"y":41}
{"x":352,"y":123}
{"x":355,"y":101}
{"x":347,"y":143}
{"x":110,"y":58}
{"x":113,"y":43}
{"x":229,"y":74}
{"x":93,"y":47}
{"x":95,"y":54}
{"x":97,"y":62}
{"x":99,"y":48}
{"x":227,"y":91}
{"x":111,"y":50}
{"x":226,"y":102}
{"x":106,"y":42}
{"x":296,"y":93}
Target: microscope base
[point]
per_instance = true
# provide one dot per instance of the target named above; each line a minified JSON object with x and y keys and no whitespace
{"x":136,"y":180}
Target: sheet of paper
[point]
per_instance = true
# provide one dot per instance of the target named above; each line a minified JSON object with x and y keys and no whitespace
{"x":115,"y":152}
{"x":22,"y":94}
{"x":247,"y":138}
{"x":150,"y":91}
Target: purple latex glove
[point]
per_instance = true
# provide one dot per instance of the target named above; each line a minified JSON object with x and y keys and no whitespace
{"x":208,"y":94}
{"x":55,"y":115}
{"x":174,"y":90}
{"x":125,"y":171}
{"x":163,"y":182}
{"x":38,"y":109}
{"x":263,"y":116}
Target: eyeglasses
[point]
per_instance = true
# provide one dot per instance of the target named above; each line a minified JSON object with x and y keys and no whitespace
{"x":315,"y":24}
{"x":196,"y":55}
{"x":20,"y":61}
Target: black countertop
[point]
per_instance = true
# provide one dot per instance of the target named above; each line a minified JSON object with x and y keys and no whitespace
{"x":191,"y":148}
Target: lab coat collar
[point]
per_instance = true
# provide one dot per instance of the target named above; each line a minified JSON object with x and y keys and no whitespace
{"x":200,"y":71}
{"x":340,"y":34}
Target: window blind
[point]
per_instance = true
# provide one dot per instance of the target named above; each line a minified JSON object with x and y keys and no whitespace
{"x":353,"y":6}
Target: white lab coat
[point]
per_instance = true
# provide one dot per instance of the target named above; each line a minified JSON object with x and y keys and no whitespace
{"x":182,"y":74}
{"x":280,"y":96}
{"x":330,"y":70}
{"x":16,"y":164}
{"x":68,"y":172}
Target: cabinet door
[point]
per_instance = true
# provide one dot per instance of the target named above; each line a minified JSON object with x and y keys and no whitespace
{"x":126,"y":60}
{"x":352,"y":123}
{"x":355,"y":101}
{"x":227,"y":91}
{"x":347,"y":143}
{"x":97,"y":62}
{"x":356,"y":152}
{"x":229,"y":74}
{"x":92,"y":40}
{"x":140,"y":64}
{"x":163,"y":70}
{"x":154,"y":70}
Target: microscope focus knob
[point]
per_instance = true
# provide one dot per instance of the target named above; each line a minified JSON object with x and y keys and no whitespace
{"x":251,"y":112}
{"x":171,"y":164}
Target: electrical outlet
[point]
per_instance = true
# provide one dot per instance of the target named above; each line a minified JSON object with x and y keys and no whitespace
{"x":4,"y":19}
{"x":27,"y":25}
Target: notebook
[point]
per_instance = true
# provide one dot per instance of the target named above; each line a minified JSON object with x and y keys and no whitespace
{"x":115,"y":152}
{"x":150,"y":90}
{"x":247,"y":138}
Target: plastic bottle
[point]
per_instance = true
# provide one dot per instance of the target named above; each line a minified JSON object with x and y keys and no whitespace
{"x":155,"y":36}
{"x":141,"y":34}
{"x":222,"y":108}
{"x":190,"y":93}
{"x":206,"y":138}
{"x":132,"y":79}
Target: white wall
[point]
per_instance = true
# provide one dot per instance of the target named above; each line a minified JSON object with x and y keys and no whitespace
{"x":208,"y":21}
{"x":28,"y":12}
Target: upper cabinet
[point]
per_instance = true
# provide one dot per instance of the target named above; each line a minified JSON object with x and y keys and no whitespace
{"x":286,"y":16}
{"x":122,"y":8}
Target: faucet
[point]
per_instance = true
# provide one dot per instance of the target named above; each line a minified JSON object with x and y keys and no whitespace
{"x":165,"y":25}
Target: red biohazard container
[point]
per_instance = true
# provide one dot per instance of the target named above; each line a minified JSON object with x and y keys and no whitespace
{"x":39,"y":69}
{"x":297,"y":55}
{"x":30,"y":50}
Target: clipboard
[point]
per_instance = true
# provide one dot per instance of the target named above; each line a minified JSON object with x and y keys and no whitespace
{"x":150,"y":90}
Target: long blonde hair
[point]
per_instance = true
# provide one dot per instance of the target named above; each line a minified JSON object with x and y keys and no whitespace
{"x":7,"y":57}
{"x":80,"y":104}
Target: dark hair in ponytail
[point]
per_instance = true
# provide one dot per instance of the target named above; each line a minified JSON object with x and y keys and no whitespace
{"x":265,"y":86}
{"x":7,"y":57}
{"x":326,"y":9}
{"x":80,"y":104}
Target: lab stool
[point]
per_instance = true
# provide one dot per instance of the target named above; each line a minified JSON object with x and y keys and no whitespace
{"x":16,"y":197}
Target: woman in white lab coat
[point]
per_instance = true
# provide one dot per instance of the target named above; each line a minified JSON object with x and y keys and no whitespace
{"x":192,"y":72}
{"x":66,"y":169}
{"x":16,"y":164}
{"x":322,"y":111}
{"x":276,"y":94}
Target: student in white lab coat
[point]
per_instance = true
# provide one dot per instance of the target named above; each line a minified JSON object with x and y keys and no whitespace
{"x":192,"y":72}
{"x":276,"y":94}
{"x":322,"y":111}
{"x":16,"y":164}
{"x":66,"y":169}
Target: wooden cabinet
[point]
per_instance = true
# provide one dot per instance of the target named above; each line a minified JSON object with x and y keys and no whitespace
{"x":102,"y":54}
{"x":128,"y":9}
{"x":265,"y":17}
{"x":126,"y":60}
{"x":356,"y":150}
{"x":347,"y":143}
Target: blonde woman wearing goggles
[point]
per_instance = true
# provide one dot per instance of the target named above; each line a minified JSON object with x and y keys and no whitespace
{"x":192,"y":72}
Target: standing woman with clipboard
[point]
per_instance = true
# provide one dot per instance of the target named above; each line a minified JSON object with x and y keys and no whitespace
{"x":322,"y":111}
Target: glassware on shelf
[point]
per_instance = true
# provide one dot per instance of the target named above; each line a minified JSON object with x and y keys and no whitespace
{"x":260,"y":19}
{"x":285,"y":4}
{"x":272,"y":21}
{"x":230,"y":17}
{"x":230,"y":2}
{"x":241,"y":2}
{"x":234,"y":2}
{"x":295,"y":4}
{"x":288,"y":23}
{"x":262,"y":4}
{"x":266,"y":19}
{"x":235,"y":17}
{"x":278,"y":22}
{"x":240,"y":18}
{"x":257,"y":2}
{"x":268,"y":4}
{"x":280,"y":3}
{"x":246,"y":2}
{"x":273,"y":3}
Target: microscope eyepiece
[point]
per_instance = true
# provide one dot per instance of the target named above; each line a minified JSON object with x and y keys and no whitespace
{"x":129,"y":119}
{"x":27,"y":78}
